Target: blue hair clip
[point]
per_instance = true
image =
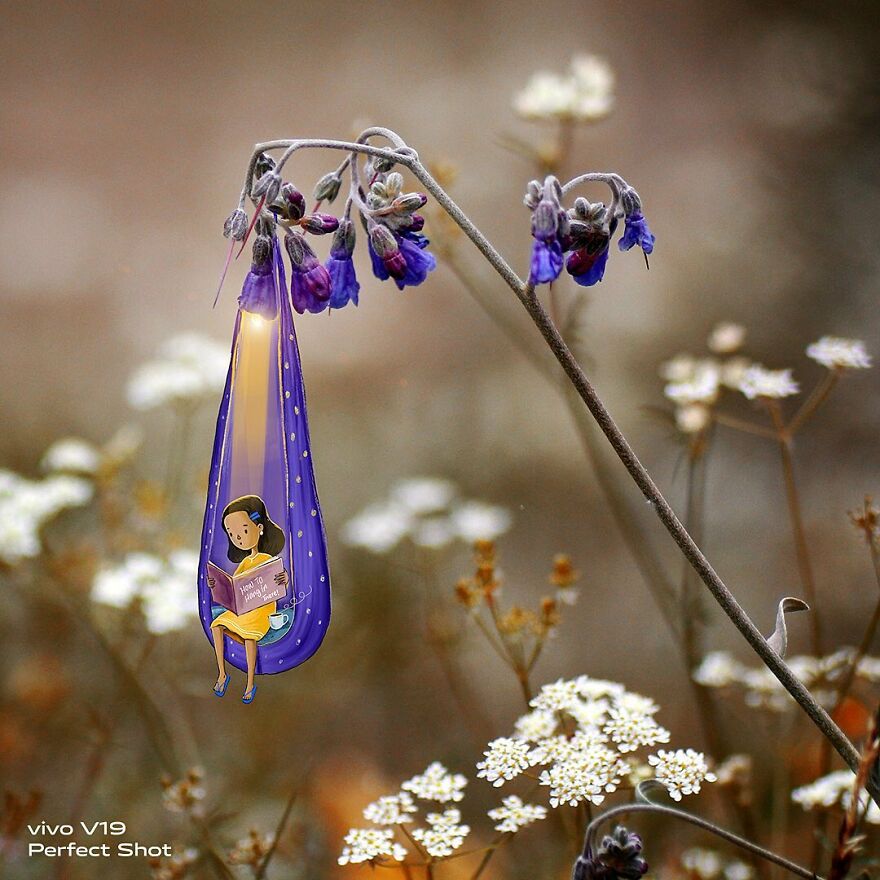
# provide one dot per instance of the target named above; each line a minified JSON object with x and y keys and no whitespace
{"x":255,"y":515}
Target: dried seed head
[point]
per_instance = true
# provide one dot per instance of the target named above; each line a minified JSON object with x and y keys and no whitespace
{"x":236,"y":225}
{"x":327,"y":187}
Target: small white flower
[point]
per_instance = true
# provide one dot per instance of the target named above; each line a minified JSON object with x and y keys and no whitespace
{"x":718,"y":669}
{"x":584,"y":776}
{"x":445,"y":835}
{"x":758,"y":381}
{"x":584,"y":94}
{"x":556,"y":696}
{"x":737,"y":870}
{"x":476,"y":521}
{"x":589,"y":713}
{"x":679,"y":369}
{"x":733,"y":370}
{"x":379,"y":527}
{"x":437,"y":784}
{"x":631,"y":730}
{"x":391,"y":809}
{"x":568,"y":595}
{"x":504,"y":760}
{"x":593,"y":688}
{"x":190,"y":366}
{"x":835,"y":788}
{"x":421,"y":495}
{"x":682,"y":771}
{"x":536,"y":725}
{"x":726,"y":337}
{"x":369,"y":845}
{"x":692,"y":418}
{"x":836,"y":353}
{"x":433,"y":533}
{"x":513,"y":814}
{"x":705,"y":863}
{"x":702,"y":386}
{"x":71,"y":455}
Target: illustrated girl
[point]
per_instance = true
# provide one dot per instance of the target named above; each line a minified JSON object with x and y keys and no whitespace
{"x":253,"y":540}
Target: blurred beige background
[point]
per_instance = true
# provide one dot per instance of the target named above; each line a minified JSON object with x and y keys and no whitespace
{"x":751,"y":131}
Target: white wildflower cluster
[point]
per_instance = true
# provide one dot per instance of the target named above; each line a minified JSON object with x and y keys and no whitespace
{"x":695,"y":384}
{"x":762,"y":690}
{"x":437,"y":784}
{"x":839,"y":354}
{"x":579,"y":733}
{"x":682,"y":771}
{"x":165,"y":588}
{"x":708,"y":864}
{"x":583,"y":94}
{"x":444,"y":835}
{"x":835,"y":789}
{"x":189,"y":366}
{"x":757,"y":381}
{"x":26,"y":505}
{"x":371,"y":845}
{"x":513,"y":814}
{"x":71,"y":455}
{"x":428,"y":511}
{"x":391,"y":809}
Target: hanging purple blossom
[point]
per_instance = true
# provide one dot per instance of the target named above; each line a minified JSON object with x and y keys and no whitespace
{"x":258,"y":291}
{"x":344,"y":286}
{"x":309,"y":280}
{"x":401,"y":256}
{"x":549,"y":229}
{"x":636,"y":232}
{"x":587,"y":269}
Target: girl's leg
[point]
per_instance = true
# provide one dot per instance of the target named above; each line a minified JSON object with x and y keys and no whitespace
{"x":217,"y":633}
{"x":250,"y":652}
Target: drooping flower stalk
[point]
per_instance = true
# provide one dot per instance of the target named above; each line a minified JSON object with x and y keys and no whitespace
{"x":401,"y":154}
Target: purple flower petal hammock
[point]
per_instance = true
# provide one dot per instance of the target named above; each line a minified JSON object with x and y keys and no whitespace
{"x":261,"y":447}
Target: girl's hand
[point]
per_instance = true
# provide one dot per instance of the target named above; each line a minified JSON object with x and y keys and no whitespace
{"x":211,"y":582}
{"x":281,"y":578}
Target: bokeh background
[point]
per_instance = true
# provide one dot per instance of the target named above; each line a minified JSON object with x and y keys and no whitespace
{"x":751,"y":131}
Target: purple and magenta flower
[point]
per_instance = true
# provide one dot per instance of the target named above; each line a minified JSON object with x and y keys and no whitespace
{"x":344,"y":286}
{"x":258,"y":295}
{"x":587,"y":268}
{"x":309,"y":281}
{"x":636,"y":232}
{"x":549,"y":229}
{"x":401,"y":256}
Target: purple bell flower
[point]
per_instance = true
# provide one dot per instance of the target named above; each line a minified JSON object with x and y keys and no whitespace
{"x":587,"y":269}
{"x":419,"y":262}
{"x":258,"y":294}
{"x":309,"y":280}
{"x":401,"y":256}
{"x":344,"y":286}
{"x":636,"y":232}
{"x":546,"y":262}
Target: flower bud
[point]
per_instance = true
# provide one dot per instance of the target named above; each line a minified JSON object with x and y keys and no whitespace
{"x":294,"y":244}
{"x":393,"y":183}
{"x":410,"y":202}
{"x":379,"y":165}
{"x":263,"y":163}
{"x":533,"y":195}
{"x":545,"y":221}
{"x":327,"y":187}
{"x":342,"y":246}
{"x":382,"y":240}
{"x":395,"y":263}
{"x":268,"y":185}
{"x":236,"y":225}
{"x":416,"y":223}
{"x":319,"y":224}
{"x":630,"y":201}
{"x":294,"y":201}
{"x":262,"y":250}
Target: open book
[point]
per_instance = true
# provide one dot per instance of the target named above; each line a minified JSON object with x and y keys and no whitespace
{"x":243,"y":592}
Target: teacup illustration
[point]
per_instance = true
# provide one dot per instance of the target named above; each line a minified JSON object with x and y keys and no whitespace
{"x":279,"y":619}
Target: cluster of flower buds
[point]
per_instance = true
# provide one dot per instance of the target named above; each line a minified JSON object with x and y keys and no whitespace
{"x":394,"y":234}
{"x":396,"y":244}
{"x":583,"y":232}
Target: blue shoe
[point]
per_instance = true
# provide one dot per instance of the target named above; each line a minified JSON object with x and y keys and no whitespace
{"x":220,"y":690}
{"x":249,"y":695}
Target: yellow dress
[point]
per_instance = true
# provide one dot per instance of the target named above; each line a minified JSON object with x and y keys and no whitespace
{"x":252,"y":624}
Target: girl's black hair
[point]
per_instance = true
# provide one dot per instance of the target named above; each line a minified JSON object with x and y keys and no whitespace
{"x":272,"y":539}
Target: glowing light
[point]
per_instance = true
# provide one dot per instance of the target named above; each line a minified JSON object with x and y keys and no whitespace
{"x":256,"y":322}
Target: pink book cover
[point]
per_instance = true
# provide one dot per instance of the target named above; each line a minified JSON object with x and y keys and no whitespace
{"x":251,"y":589}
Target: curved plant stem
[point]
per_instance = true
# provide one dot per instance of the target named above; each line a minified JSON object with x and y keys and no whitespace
{"x":525,"y":293}
{"x":735,"y":839}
